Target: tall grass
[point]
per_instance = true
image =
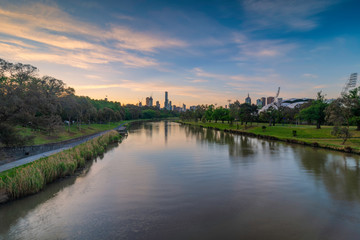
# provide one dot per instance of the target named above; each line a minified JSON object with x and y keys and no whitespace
{"x":33,"y":177}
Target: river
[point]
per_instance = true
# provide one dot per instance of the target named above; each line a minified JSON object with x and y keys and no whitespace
{"x":171,"y":181}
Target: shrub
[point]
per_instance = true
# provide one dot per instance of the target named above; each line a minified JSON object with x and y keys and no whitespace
{"x":263,"y":128}
{"x":294,"y":133}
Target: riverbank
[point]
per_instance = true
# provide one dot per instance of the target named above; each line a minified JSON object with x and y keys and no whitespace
{"x":304,"y":134}
{"x":64,"y":134}
{"x":33,"y":177}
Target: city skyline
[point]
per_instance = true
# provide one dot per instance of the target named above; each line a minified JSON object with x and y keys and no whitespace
{"x":201,"y":52}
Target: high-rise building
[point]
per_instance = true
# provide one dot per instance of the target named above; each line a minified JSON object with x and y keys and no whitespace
{"x":158,"y":104}
{"x":192,"y":108}
{"x":248,"y":100}
{"x":149,"y":101}
{"x":184,"y":107}
{"x":170,"y":106}
{"x":259,"y":103}
{"x":166,"y":103}
{"x":263,"y":101}
{"x":270,"y":100}
{"x":140,"y":104}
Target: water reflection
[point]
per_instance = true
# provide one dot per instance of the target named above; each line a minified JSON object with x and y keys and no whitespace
{"x":169,"y":181}
{"x":14,"y":211}
{"x":339,"y":172}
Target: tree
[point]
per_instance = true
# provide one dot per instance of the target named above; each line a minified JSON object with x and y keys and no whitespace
{"x":316,"y":111}
{"x":209,"y":113}
{"x":353,"y":102}
{"x":339,"y":114}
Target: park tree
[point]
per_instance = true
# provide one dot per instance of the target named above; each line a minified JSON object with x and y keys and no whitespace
{"x":316,"y":111}
{"x":339,"y":114}
{"x":209,"y":113}
{"x":352,"y":101}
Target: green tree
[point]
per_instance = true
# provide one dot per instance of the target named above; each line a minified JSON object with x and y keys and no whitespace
{"x":316,"y":111}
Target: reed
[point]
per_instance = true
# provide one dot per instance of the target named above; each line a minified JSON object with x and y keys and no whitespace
{"x":33,"y":177}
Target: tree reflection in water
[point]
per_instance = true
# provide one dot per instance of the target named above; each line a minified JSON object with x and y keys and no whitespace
{"x":339,"y":172}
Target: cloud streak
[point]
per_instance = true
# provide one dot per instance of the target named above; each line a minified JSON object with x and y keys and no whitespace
{"x":82,"y":44}
{"x":296,"y":15}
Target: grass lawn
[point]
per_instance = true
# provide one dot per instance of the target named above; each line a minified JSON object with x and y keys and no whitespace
{"x":63,"y":134}
{"x":305,"y":133}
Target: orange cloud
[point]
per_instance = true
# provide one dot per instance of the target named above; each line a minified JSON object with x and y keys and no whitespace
{"x":81,"y":44}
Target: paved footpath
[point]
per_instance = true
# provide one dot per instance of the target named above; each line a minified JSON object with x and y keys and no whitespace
{"x":26,"y":160}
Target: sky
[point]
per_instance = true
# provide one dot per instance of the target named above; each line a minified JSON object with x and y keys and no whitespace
{"x":201,"y":52}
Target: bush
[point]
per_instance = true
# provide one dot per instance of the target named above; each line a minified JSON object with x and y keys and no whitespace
{"x":294,"y":133}
{"x":263,"y":128}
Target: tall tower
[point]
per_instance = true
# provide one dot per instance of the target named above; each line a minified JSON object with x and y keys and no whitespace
{"x":248,"y":99}
{"x":166,"y":103}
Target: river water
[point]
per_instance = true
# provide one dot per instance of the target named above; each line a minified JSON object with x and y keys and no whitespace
{"x":170,"y":181}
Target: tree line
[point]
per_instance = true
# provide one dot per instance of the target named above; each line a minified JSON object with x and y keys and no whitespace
{"x":341,"y":113}
{"x":46,"y":104}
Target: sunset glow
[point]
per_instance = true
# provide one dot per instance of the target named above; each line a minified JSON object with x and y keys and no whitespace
{"x":200,"y":52}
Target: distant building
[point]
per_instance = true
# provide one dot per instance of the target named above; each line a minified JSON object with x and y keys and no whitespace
{"x":170,"y":106}
{"x":248,"y":100}
{"x":158,"y":104}
{"x":263,"y":101}
{"x":184,"y":107}
{"x":176,"y":109}
{"x":259,"y":103}
{"x":149,"y":101}
{"x":140,"y":104}
{"x":166,"y":103}
{"x":192,"y":108}
{"x":270,"y":100}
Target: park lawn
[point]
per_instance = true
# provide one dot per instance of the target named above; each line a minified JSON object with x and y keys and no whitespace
{"x":305,"y":133}
{"x":63,"y":134}
{"x":287,"y":131}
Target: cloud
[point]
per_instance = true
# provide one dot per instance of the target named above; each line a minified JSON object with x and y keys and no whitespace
{"x":309,"y":75}
{"x":63,"y":37}
{"x":320,"y":86}
{"x":261,"y":49}
{"x":296,"y":15}
{"x":198,"y":81}
{"x":177,"y":91}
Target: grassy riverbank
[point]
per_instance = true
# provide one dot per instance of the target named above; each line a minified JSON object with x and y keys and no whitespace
{"x":63,"y":134}
{"x":305,"y":134}
{"x":32,"y":177}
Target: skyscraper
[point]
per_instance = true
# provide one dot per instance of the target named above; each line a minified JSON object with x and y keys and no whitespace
{"x":259,"y":103}
{"x":158,"y":104}
{"x":270,"y":100}
{"x":166,"y":103}
{"x":263,"y":100}
{"x":150,"y":102}
{"x":248,"y":100}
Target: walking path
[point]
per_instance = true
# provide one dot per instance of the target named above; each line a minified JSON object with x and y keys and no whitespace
{"x":26,"y":160}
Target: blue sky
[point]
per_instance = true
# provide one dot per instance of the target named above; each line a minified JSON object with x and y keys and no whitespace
{"x":199,"y":51}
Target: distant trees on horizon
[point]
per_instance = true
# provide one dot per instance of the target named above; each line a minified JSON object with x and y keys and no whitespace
{"x":341,"y":113}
